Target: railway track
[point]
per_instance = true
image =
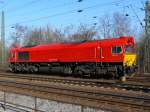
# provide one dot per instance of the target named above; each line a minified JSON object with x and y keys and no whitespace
{"x":138,"y":102}
{"x":82,"y":82}
{"x":143,"y":78}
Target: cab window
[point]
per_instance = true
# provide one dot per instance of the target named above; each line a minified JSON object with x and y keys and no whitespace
{"x":116,"y":50}
{"x":129,"y":49}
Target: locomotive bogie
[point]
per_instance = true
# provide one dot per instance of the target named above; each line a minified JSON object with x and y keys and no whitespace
{"x":92,"y":69}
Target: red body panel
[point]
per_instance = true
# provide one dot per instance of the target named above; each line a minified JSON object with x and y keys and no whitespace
{"x":95,"y":51}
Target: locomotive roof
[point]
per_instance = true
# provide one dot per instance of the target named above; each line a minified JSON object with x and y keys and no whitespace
{"x":106,"y":42}
{"x":80,"y":42}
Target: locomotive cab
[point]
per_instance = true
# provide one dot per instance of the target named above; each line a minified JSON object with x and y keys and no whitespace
{"x":130,"y":58}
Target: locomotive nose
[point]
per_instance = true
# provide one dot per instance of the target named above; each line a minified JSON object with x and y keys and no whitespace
{"x":129,"y":60}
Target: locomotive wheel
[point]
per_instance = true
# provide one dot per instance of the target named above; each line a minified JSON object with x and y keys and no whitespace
{"x":26,"y":68}
{"x":78,"y":72}
{"x":33,"y":69}
{"x":67,"y":70}
{"x":113,"y":75}
{"x":18,"y":68}
{"x":13,"y":70}
{"x":30,"y":69}
{"x":22,"y":67}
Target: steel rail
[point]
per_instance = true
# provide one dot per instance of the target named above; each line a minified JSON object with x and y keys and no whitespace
{"x":82,"y":93}
{"x":85,"y":82}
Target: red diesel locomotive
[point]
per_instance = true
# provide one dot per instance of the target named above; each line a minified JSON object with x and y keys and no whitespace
{"x":114,"y":56}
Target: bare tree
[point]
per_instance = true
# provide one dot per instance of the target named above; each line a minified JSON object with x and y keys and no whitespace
{"x":33,"y":37}
{"x":49,"y":34}
{"x":59,"y":35}
{"x":116,"y":26}
{"x":84,"y":32}
{"x":18,"y":35}
{"x":105,"y":26}
{"x":141,"y":53}
{"x":121,"y":25}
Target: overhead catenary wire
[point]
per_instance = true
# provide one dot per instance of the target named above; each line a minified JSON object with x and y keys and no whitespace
{"x":61,"y":5}
{"x":67,"y":12}
{"x":46,"y":8}
{"x":35,"y":1}
{"x":58,"y":14}
{"x":22,"y":6}
{"x":136,"y":16}
{"x":132,"y":7}
{"x":71,"y":11}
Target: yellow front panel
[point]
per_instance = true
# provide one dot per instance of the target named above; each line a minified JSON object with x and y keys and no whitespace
{"x":129,"y":60}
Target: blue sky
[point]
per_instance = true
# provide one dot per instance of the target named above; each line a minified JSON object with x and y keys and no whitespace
{"x":61,"y":13}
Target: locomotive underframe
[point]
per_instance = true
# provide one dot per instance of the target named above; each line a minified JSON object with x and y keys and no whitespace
{"x":114,"y":70}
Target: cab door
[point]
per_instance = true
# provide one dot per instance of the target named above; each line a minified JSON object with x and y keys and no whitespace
{"x":117,"y":53}
{"x":99,"y":53}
